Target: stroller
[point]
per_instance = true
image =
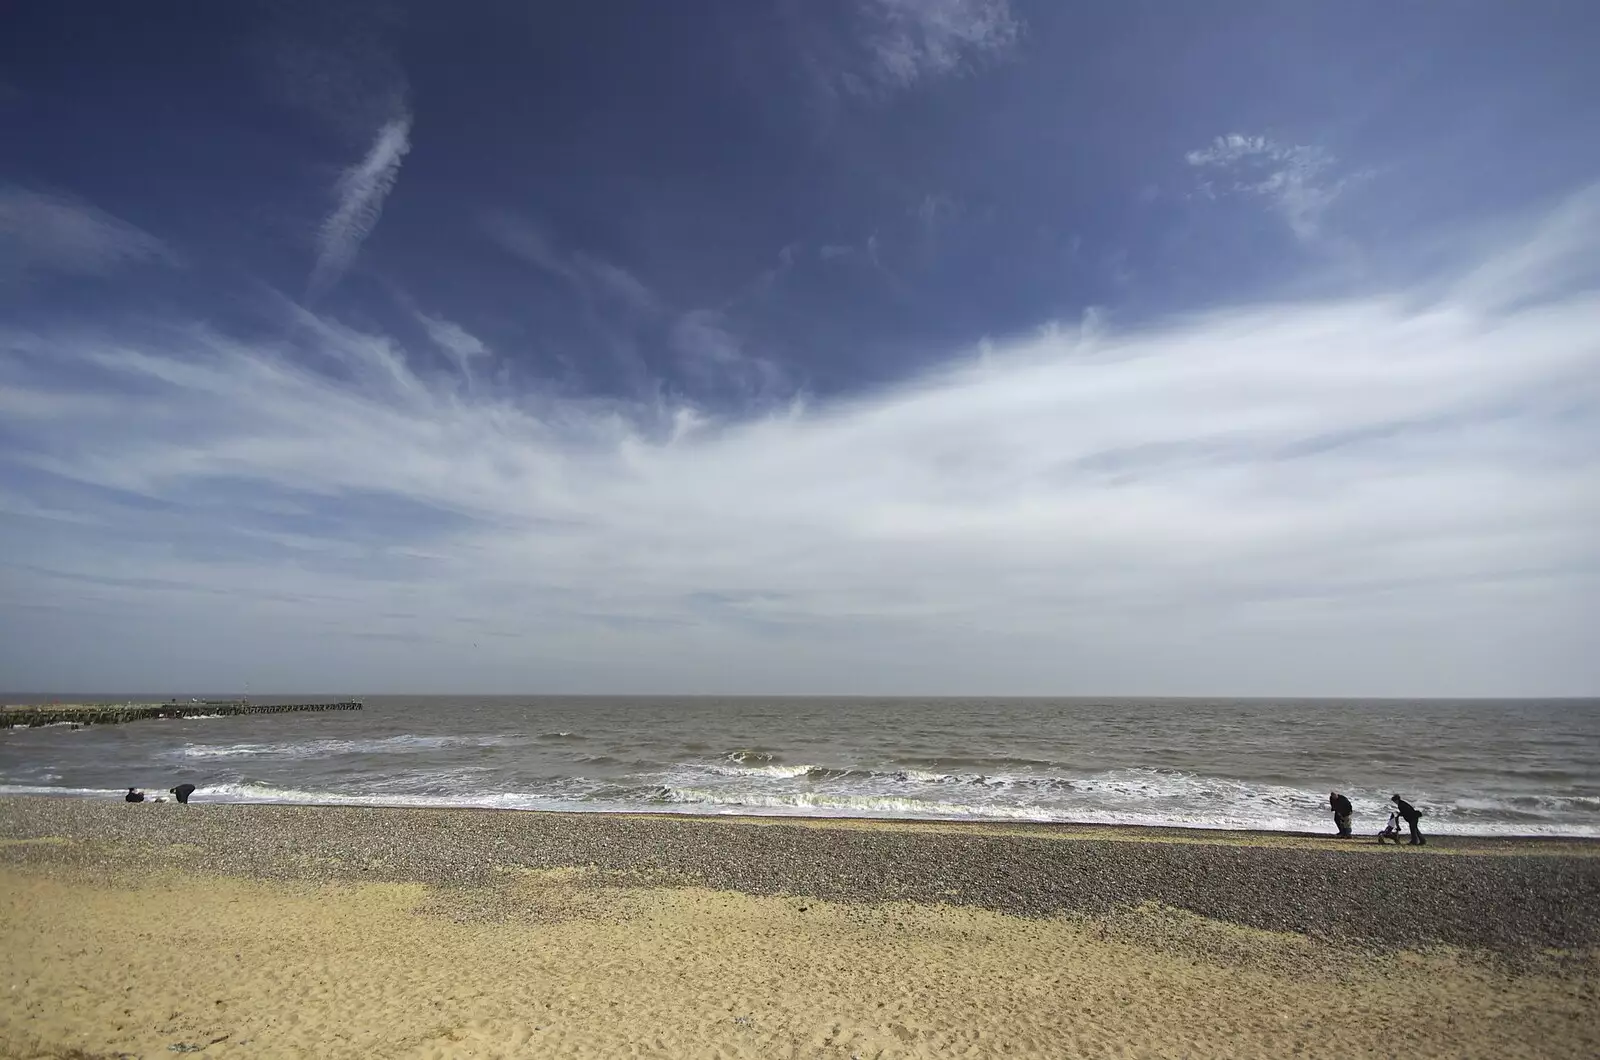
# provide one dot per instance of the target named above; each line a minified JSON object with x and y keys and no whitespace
{"x":1391,"y":830}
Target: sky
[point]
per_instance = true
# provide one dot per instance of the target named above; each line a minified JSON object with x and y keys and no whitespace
{"x":968,"y":347}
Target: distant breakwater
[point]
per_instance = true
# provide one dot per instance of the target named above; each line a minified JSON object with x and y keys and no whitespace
{"x":117,"y":713}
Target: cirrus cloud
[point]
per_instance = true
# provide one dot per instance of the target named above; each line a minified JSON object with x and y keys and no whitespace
{"x":1382,"y":493}
{"x":42,"y":232}
{"x":362,"y":190}
{"x":1295,"y":179}
{"x":914,"y":40}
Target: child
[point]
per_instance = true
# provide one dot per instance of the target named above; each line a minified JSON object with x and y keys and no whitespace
{"x":1391,"y":830}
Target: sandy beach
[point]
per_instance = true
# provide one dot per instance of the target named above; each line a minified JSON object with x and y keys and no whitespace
{"x":154,"y":930}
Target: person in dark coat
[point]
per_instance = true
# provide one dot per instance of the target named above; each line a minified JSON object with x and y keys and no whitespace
{"x":1412,"y":815}
{"x":133,"y":795}
{"x":182,"y":792}
{"x":1341,"y":813}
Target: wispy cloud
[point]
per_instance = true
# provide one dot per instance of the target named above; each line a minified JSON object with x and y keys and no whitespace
{"x":711,"y":353}
{"x":454,"y":339}
{"x":528,"y":241}
{"x":619,"y":283}
{"x":591,"y":276}
{"x":1297,"y":180}
{"x":711,"y":357}
{"x":1391,"y":493}
{"x":41,"y":232}
{"x":916,"y":40}
{"x":361,"y":192}
{"x":889,"y":46}
{"x":463,"y":347}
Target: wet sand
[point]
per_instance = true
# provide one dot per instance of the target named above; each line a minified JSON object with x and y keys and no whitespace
{"x":150,"y":930}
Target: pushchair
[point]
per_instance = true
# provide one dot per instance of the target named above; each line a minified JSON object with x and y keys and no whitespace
{"x":1391,"y":830}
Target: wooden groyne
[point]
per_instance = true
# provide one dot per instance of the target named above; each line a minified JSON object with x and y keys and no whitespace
{"x":116,"y":713}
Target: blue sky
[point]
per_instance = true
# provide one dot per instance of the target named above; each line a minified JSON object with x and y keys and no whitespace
{"x":953,"y":346}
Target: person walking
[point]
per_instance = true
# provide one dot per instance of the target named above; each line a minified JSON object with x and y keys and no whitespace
{"x":1341,"y":813}
{"x":1412,"y":815}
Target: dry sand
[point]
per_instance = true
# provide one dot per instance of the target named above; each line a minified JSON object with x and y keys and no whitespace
{"x":117,"y":945}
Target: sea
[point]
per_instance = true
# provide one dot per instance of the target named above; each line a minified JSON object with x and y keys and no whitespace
{"x":1475,"y":767}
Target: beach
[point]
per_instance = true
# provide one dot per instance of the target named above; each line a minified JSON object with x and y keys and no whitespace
{"x":254,"y":930}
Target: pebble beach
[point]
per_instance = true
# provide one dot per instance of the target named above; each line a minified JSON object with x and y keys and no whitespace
{"x":447,"y":932}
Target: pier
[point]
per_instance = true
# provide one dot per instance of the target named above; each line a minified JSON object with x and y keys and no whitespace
{"x":117,"y":713}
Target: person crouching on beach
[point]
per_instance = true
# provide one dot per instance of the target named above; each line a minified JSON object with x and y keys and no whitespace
{"x":1412,"y":816}
{"x":133,"y":795}
{"x":1341,"y":813}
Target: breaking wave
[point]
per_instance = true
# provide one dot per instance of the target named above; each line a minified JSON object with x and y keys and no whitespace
{"x":1001,"y":799}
